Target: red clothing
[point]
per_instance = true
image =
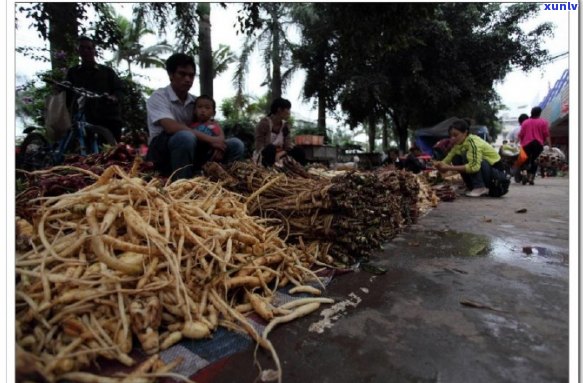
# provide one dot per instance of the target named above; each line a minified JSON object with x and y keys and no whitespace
{"x":533,"y":129}
{"x":209,"y":127}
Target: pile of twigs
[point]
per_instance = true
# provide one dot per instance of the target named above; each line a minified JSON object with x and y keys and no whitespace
{"x":350,"y":214}
{"x":126,"y":259}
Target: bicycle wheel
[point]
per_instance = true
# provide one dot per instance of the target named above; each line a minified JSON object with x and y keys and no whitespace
{"x":35,"y":153}
{"x":93,"y":133}
{"x":103,"y":136}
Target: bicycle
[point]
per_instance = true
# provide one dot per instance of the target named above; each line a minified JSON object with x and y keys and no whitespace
{"x":84,"y":138}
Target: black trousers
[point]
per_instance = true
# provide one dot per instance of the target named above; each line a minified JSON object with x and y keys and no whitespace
{"x":268,"y":155}
{"x":482,"y":177}
{"x":533,"y":149}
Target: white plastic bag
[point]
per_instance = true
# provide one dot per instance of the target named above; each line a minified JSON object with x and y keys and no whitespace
{"x":57,"y":117}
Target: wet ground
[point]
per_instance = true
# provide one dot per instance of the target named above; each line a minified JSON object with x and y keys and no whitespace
{"x":476,"y":291}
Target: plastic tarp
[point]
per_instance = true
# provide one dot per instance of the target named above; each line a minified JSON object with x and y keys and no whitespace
{"x":425,"y":138}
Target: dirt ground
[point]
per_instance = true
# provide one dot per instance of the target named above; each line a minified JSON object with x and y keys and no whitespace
{"x":476,"y":291}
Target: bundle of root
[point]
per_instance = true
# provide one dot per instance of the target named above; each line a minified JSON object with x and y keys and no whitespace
{"x":350,"y":214}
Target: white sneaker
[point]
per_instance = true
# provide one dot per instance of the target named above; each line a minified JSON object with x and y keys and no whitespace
{"x":478,"y":192}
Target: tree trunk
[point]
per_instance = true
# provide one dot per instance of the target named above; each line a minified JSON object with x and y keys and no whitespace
{"x":275,"y":61}
{"x":322,"y":93}
{"x":372,"y":132}
{"x":400,"y":130}
{"x":205,"y":54}
{"x":63,"y":34}
{"x":322,"y":114}
{"x":385,"y":133}
{"x":403,"y":136}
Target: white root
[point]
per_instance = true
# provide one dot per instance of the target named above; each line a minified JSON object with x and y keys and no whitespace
{"x":304,"y":301}
{"x":297,"y":313}
{"x":305,"y":289}
{"x":189,"y":244}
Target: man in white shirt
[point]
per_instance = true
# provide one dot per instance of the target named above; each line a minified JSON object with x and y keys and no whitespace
{"x":172,"y":142}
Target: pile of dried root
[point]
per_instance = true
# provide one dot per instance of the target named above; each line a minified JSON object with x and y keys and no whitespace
{"x":75,"y":174}
{"x":123,"y":259}
{"x":350,"y":215}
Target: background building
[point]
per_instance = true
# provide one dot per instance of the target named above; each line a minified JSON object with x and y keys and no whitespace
{"x":555,"y":108}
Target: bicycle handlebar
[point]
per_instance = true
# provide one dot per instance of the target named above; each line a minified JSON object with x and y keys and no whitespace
{"x":75,"y":89}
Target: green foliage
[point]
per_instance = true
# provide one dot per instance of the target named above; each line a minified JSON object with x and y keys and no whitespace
{"x":274,"y":46}
{"x":30,"y":102}
{"x":425,"y":62}
{"x":31,"y":96}
{"x":134,"y":112}
{"x":222,"y":58}
{"x":103,"y":26}
{"x":342,"y":137}
{"x":129,"y":48}
{"x":416,"y":63}
{"x":248,"y":19}
{"x":242,"y":113}
{"x":242,"y":128}
{"x":301,"y":127}
{"x":244,"y":107}
{"x":181,"y":17}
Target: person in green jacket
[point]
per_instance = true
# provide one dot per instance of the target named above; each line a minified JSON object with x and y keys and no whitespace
{"x":472,"y":157}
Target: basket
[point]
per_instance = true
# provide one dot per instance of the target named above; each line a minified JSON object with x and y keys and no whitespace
{"x":309,"y":140}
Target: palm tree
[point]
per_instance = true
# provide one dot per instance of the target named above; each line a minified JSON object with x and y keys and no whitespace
{"x":129,"y":48}
{"x":315,"y":56}
{"x":205,"y":54}
{"x":222,"y":57}
{"x":275,"y":48}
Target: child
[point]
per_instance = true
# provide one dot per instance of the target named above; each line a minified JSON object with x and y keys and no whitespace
{"x":203,"y":121}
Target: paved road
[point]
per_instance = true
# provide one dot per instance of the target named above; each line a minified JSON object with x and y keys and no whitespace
{"x":474,"y":292}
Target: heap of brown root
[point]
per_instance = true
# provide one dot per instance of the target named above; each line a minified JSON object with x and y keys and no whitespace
{"x":349,"y":215}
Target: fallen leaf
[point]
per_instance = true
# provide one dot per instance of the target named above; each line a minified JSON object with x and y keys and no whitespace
{"x":413,"y":243}
{"x":478,"y":305}
{"x":527,"y":249}
{"x":523,"y":210}
{"x":372,"y":269}
{"x":487,"y":219}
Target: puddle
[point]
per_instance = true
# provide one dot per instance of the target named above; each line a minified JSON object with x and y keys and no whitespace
{"x":512,"y":251}
{"x":454,"y":243}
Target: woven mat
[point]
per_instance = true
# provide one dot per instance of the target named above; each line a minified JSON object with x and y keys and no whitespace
{"x":198,"y":354}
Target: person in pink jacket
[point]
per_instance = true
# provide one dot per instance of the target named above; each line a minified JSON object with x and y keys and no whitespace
{"x":534,"y":133}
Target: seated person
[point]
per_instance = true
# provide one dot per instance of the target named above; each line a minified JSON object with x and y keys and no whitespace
{"x":393,"y":159}
{"x":508,"y":149}
{"x":472,"y":157}
{"x":204,"y":122}
{"x":412,"y":162}
{"x":101,"y":79}
{"x":173,"y":143}
{"x":272,"y":136}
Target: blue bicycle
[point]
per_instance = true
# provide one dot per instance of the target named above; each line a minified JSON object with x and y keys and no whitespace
{"x":83,"y":138}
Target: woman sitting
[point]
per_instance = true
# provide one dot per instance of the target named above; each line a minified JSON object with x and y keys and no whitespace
{"x":272,"y":136}
{"x":472,"y":157}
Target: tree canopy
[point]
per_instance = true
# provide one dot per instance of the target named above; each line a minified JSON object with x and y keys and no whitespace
{"x":400,"y":65}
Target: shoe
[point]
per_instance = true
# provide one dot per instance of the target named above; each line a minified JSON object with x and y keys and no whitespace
{"x":478,"y":192}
